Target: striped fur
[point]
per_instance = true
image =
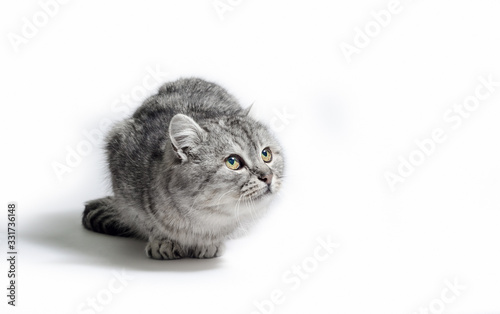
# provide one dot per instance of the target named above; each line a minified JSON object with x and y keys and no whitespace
{"x":100,"y":216}
{"x":171,"y":185}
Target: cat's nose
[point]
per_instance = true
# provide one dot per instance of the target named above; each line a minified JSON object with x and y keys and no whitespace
{"x":268,"y":178}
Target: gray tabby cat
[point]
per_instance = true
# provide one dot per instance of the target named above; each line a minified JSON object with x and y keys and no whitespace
{"x":189,"y":169}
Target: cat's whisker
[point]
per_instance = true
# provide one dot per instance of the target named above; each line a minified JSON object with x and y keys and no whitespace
{"x":220,"y":198}
{"x":237,"y":209}
{"x":250,"y":207}
{"x":253,"y":206}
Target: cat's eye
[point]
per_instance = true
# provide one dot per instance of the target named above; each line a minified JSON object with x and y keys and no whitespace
{"x":233,"y":162}
{"x":266,"y":155}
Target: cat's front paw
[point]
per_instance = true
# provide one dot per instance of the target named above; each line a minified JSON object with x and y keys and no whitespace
{"x":208,"y":251}
{"x":164,"y":249}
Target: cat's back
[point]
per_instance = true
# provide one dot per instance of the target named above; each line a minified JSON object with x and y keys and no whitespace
{"x":194,"y":97}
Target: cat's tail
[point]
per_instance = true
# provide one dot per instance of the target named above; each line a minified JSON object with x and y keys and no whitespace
{"x":100,"y":216}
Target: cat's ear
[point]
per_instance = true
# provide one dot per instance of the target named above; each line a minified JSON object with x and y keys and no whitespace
{"x":245,"y":112}
{"x":184,"y":133}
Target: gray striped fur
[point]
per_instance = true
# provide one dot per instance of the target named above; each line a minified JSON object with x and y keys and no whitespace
{"x":170,"y":182}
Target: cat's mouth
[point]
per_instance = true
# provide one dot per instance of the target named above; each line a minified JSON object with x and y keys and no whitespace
{"x":261,"y":193}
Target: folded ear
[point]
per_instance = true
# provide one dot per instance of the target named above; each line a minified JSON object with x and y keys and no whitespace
{"x":184,"y":133}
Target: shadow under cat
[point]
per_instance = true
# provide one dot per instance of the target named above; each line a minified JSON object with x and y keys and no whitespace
{"x":64,"y":233}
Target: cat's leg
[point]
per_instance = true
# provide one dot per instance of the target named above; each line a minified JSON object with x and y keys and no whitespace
{"x":207,"y":250}
{"x":164,"y":249}
{"x":101,"y":216}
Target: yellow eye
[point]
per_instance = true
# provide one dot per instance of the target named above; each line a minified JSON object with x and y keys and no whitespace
{"x":233,"y":162}
{"x":266,"y":155}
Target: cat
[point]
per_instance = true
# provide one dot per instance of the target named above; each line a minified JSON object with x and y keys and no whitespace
{"x":190,"y":169}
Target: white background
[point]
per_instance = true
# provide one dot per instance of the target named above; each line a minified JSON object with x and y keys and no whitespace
{"x":345,"y":127}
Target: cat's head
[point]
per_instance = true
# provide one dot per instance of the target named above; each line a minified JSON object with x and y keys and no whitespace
{"x":224,"y":162}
